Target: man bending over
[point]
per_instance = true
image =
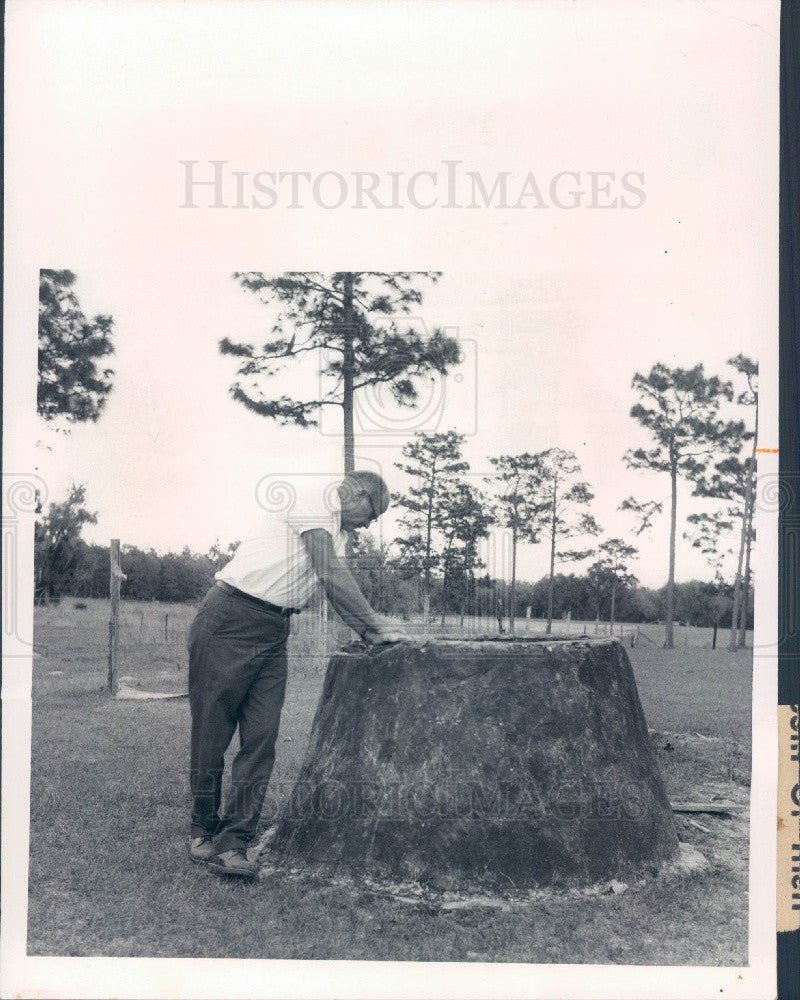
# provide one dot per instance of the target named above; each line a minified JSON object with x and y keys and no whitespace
{"x":237,"y":653}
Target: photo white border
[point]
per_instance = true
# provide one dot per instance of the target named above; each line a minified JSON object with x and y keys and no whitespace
{"x":36,"y":236}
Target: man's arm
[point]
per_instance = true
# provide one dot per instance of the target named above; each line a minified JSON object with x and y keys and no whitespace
{"x":342,"y":590}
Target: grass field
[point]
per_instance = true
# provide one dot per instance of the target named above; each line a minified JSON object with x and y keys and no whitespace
{"x":109,"y":873}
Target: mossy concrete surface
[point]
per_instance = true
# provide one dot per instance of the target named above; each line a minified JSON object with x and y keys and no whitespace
{"x":467,"y":763}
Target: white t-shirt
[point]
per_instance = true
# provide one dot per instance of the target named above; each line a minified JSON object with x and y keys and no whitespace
{"x":272,"y":562}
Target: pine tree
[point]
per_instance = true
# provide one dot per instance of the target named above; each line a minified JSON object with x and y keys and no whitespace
{"x":435,"y":462}
{"x":680,"y":409}
{"x":350,"y":320}
{"x":71,"y":385}
{"x":462,"y":518}
{"x":610,"y":571}
{"x":518,"y":480}
{"x":731,"y":480}
{"x":748,"y":397}
{"x":562,"y":508}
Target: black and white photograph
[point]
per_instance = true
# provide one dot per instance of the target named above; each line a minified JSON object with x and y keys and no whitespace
{"x":367,"y":631}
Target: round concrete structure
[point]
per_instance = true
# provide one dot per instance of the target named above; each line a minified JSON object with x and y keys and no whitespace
{"x":468,"y":763}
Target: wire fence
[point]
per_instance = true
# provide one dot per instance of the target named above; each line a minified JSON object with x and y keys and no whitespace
{"x":151,"y":649}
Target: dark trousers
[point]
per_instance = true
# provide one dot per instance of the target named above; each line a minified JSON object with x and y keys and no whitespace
{"x":237,"y":677}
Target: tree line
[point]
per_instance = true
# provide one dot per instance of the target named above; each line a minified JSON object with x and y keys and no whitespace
{"x":542,"y":498}
{"x":353,"y":321}
{"x":80,"y":569}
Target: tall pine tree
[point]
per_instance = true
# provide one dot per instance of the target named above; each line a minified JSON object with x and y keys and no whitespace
{"x":518,"y":481}
{"x":610,"y":572}
{"x":350,"y":320}
{"x":680,"y":409}
{"x":463,"y":518}
{"x":733,"y":480}
{"x":563,"y":509}
{"x":435,"y":463}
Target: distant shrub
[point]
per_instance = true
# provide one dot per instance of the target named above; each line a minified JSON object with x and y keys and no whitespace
{"x":80,"y":606}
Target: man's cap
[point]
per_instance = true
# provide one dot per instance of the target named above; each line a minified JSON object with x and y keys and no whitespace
{"x":372,"y":484}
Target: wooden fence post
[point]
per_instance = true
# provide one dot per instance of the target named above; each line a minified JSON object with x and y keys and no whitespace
{"x":115,"y":582}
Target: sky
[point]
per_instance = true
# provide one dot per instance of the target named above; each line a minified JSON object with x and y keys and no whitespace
{"x":556,"y":309}
{"x":548,"y":362}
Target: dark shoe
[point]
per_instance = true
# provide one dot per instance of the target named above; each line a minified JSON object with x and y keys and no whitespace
{"x":233,"y":863}
{"x":201,"y":849}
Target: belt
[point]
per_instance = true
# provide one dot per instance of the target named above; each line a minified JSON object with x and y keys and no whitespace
{"x":264,"y":605}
